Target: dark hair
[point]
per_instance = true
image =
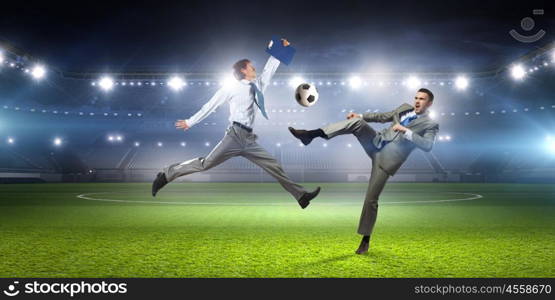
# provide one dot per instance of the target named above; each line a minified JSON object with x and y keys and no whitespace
{"x":427,"y":91}
{"x":242,"y":64}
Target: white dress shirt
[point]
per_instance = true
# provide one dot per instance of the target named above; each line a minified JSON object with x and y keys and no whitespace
{"x":242,"y":108}
{"x":408,"y":133}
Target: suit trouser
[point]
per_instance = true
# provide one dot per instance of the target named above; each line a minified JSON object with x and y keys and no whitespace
{"x":365,"y":134}
{"x":236,"y":142}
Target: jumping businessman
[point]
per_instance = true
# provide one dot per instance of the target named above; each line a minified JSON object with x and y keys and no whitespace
{"x":411,"y":127}
{"x":245,"y":97}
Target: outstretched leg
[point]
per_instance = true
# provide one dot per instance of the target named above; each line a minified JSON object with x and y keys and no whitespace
{"x":356,"y":126}
{"x":224,"y":150}
{"x":266,"y":161}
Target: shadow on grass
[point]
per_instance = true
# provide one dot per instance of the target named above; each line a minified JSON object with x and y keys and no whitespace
{"x":372,"y":256}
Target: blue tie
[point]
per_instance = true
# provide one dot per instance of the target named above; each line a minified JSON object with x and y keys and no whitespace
{"x":258,"y":99}
{"x":406,"y":121}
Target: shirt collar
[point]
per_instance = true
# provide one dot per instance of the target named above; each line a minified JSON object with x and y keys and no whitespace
{"x":244,"y":81}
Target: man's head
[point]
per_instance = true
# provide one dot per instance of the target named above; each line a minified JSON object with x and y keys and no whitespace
{"x":423,"y":100}
{"x":244,"y":69}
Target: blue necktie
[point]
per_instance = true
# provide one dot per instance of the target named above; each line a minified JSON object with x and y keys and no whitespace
{"x":406,"y":121}
{"x":258,"y":99}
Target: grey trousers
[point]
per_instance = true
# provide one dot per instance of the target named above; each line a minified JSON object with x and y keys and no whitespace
{"x":365,"y":134}
{"x":236,"y":142}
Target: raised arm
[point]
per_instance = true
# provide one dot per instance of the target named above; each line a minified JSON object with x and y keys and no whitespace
{"x":270,"y":69}
{"x":218,"y":99}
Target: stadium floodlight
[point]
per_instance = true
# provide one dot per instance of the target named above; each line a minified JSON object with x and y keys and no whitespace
{"x":176,"y":83}
{"x":518,"y":72}
{"x":1,"y":57}
{"x":57,"y":142}
{"x":553,"y":55}
{"x":38,"y":72}
{"x":413,"y":82}
{"x":325,"y":145}
{"x":448,"y":138}
{"x":183,"y":144}
{"x":296,"y":81}
{"x":349,"y":145}
{"x":137,"y":144}
{"x":550,"y":144}
{"x":440,"y":138}
{"x":160,"y":144}
{"x":207,"y":144}
{"x":106,"y":83}
{"x":461,"y":83}
{"x":228,"y":79}
{"x":111,"y":138}
{"x":119,"y":138}
{"x":10,"y":140}
{"x":355,"y":82}
{"x":432,"y":114}
{"x":278,"y":145}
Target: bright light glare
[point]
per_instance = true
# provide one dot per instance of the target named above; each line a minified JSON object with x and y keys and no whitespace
{"x":461,"y":82}
{"x":176,"y":83}
{"x":413,"y":82}
{"x":355,"y":82}
{"x":518,"y":72}
{"x":227,"y":80}
{"x":432,"y":114}
{"x":106,"y":83}
{"x":296,"y":81}
{"x":57,"y":141}
{"x":38,"y":72}
{"x":550,"y":143}
{"x":10,"y":140}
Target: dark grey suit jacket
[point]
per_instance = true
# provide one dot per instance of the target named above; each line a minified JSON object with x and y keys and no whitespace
{"x":397,"y":149}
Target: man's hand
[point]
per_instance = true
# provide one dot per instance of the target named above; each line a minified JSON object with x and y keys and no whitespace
{"x":182,"y":124}
{"x":285,"y":42}
{"x":353,"y":115}
{"x":399,"y":127}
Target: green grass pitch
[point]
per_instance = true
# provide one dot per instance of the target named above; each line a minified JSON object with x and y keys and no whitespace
{"x":258,"y":230}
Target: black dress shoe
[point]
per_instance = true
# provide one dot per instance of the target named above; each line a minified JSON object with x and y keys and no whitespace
{"x":301,"y":135}
{"x":363,"y":247}
{"x":159,"y":183}
{"x":305,"y":199}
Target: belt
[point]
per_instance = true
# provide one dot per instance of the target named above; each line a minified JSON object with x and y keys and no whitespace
{"x":247,"y":128}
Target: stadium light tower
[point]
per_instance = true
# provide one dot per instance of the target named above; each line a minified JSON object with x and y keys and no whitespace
{"x":296,"y":81}
{"x":38,"y":72}
{"x":106,"y":83}
{"x":355,"y":82}
{"x":461,"y":82}
{"x":518,"y":72}
{"x":176,"y":83}
{"x":550,"y":144}
{"x":57,"y":142}
{"x":413,"y":82}
{"x":227,"y":80}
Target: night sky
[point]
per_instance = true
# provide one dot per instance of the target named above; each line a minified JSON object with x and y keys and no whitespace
{"x":334,"y":36}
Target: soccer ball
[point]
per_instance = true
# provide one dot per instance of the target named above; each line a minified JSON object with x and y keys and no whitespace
{"x":306,"y":94}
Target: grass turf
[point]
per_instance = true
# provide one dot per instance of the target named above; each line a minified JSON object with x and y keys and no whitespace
{"x":258,"y":230}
